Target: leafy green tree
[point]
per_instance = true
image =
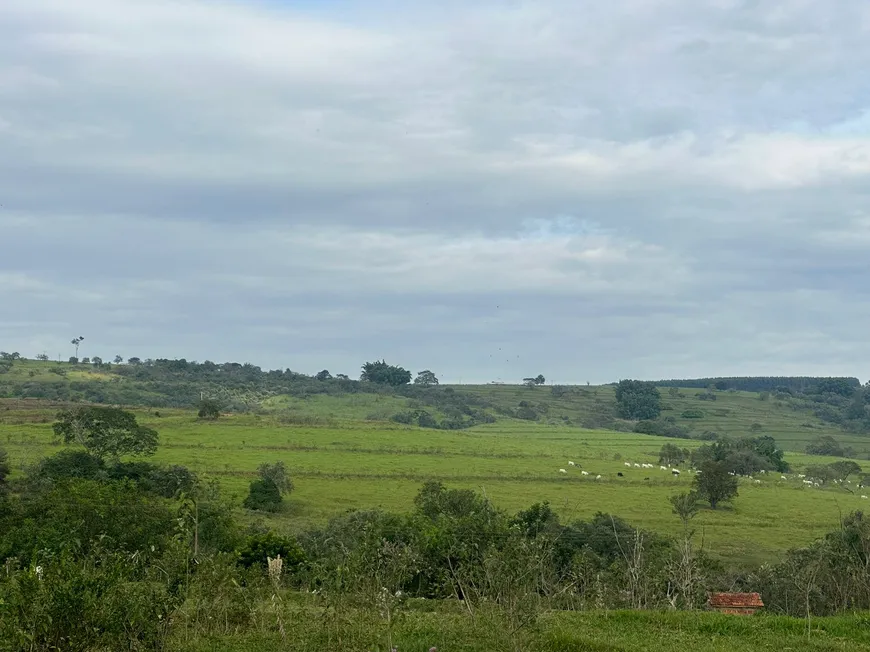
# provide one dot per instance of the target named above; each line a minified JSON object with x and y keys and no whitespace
{"x":839,"y":386}
{"x":97,"y":361}
{"x":258,"y":548}
{"x":323,"y":375}
{"x":263,"y":496}
{"x":825,"y":445}
{"x":76,"y":342}
{"x":673,"y":454}
{"x":209,"y":408}
{"x":134,"y":361}
{"x":685,"y":505}
{"x":844,"y":468}
{"x":266,"y":492}
{"x":105,"y":431}
{"x":42,"y":357}
{"x":637,"y":399}
{"x":118,"y":359}
{"x":426,"y":378}
{"x":714,"y":484}
{"x":381,"y":373}
{"x":276,"y":473}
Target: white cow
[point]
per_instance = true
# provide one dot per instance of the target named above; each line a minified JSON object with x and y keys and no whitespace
{"x":585,"y":472}
{"x":562,"y":471}
{"x":570,"y":463}
{"x":628,"y":464}
{"x":598,"y":477}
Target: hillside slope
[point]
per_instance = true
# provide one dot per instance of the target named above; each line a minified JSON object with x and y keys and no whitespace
{"x":301,"y":399}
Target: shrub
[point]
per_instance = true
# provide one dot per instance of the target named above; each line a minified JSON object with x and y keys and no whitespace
{"x":263,"y":496}
{"x":692,"y":413}
{"x":209,"y":409}
{"x":258,"y":547}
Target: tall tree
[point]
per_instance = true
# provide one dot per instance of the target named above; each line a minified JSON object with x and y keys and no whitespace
{"x":714,"y":484}
{"x":76,"y":342}
{"x":426,"y":378}
{"x":105,"y":432}
{"x":637,"y":399}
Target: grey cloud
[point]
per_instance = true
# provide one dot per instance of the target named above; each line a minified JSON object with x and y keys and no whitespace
{"x":643,"y":188}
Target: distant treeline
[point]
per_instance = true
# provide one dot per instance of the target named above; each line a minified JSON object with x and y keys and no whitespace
{"x":801,"y":384}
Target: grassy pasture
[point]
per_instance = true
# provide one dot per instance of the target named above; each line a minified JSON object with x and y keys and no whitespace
{"x":732,"y":413}
{"x":343,"y":461}
{"x":617,"y":631}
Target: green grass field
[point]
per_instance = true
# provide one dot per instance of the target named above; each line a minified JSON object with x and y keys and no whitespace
{"x":341,"y":457}
{"x":616,"y":631}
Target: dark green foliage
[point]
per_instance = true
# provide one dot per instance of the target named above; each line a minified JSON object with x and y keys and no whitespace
{"x":258,"y":547}
{"x":323,"y":375}
{"x":673,"y":454}
{"x":636,"y":399}
{"x":662,"y":428}
{"x":692,"y":413}
{"x":170,"y":481}
{"x":763,"y":383}
{"x":840,"y":386}
{"x":209,"y":408}
{"x":266,"y":492}
{"x":110,"y":600}
{"x":69,"y":464}
{"x":537,"y":520}
{"x":263,"y":496}
{"x":743,"y":456}
{"x":714,"y":484}
{"x":826,"y":445}
{"x":105,"y":431}
{"x":74,"y":514}
{"x":5,"y":468}
{"x":426,"y":378}
{"x":381,"y":373}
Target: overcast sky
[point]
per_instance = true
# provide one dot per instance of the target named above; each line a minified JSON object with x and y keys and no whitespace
{"x":587,"y":190}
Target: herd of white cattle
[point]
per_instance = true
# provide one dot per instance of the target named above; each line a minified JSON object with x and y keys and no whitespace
{"x":674,"y":471}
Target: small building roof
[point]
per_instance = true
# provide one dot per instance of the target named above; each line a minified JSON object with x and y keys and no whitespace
{"x":735,"y":600}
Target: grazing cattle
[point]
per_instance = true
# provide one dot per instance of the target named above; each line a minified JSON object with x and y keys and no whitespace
{"x":864,"y":497}
{"x":782,"y":477}
{"x":636,"y":465}
{"x":585,"y":472}
{"x":663,"y":468}
{"x":570,"y":463}
{"x":562,"y":471}
{"x":758,"y":482}
{"x":646,"y":478}
{"x":675,"y":471}
{"x":621,"y":474}
{"x":628,"y":464}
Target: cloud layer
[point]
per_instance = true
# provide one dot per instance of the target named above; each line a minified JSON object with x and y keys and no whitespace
{"x":646,"y":188}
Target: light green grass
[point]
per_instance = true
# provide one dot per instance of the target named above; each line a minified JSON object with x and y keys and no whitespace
{"x":575,"y":632}
{"x":365,"y":464}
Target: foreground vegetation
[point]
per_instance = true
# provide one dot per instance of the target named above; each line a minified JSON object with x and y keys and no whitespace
{"x":283,"y":511}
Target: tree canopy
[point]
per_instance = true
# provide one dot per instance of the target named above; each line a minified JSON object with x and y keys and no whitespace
{"x":105,"y":431}
{"x":637,"y":399}
{"x":381,"y":373}
{"x":426,"y":378}
{"x":714,"y":484}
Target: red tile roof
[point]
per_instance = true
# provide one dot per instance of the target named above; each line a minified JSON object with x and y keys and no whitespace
{"x":739,"y":600}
